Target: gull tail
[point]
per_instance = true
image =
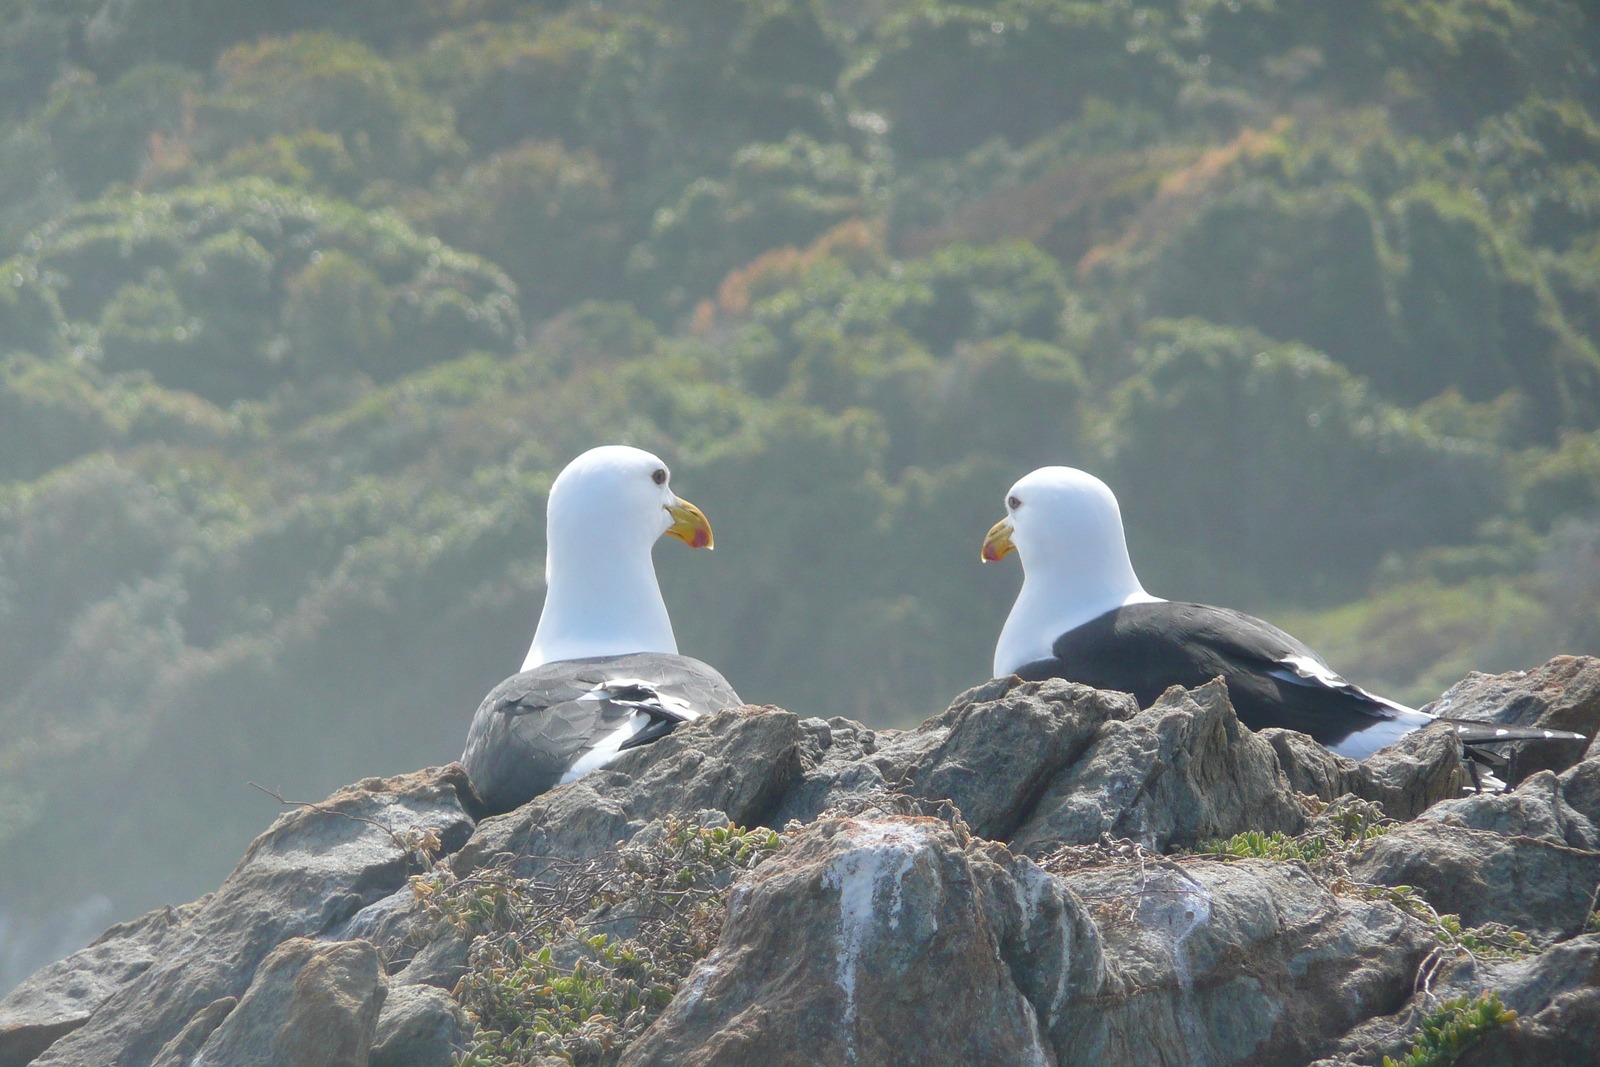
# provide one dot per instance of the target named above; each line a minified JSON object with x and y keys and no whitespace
{"x":1488,"y":733}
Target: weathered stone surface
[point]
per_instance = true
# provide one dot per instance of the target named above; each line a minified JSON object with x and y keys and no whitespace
{"x":1536,"y":808}
{"x":741,"y":762}
{"x":1556,"y":995}
{"x":1180,"y":772}
{"x":1580,"y":789}
{"x":880,"y":939}
{"x":993,"y":753}
{"x":1406,"y":778}
{"x":835,"y":769}
{"x":1219,"y":962}
{"x":419,"y":1026}
{"x":1564,"y":694}
{"x":181,"y":1050}
{"x":882,"y":935}
{"x":440,"y":962}
{"x":1528,"y":882}
{"x":305,"y":876}
{"x":312,"y":1004}
{"x":59,"y":998}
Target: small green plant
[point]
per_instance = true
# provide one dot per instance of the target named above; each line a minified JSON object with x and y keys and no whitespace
{"x":1338,"y":831}
{"x":1489,"y":941}
{"x":1593,"y":925}
{"x":571,"y":966}
{"x":1455,"y":1027}
{"x":1253,"y":844}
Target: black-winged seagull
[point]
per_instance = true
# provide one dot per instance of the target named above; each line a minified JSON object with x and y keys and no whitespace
{"x":1083,"y":615}
{"x":603,"y":674}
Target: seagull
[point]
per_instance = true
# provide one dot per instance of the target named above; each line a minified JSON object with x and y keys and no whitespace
{"x":603,"y":674}
{"x":1083,"y":615}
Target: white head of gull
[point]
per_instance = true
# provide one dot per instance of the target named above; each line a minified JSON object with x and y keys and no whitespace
{"x":606,"y":510}
{"x":1066,"y":528}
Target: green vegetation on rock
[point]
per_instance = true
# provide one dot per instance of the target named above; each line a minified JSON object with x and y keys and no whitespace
{"x":576,"y":966}
{"x":1456,"y":1026}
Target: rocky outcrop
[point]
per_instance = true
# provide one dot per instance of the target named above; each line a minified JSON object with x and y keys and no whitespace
{"x":1534,"y":885}
{"x":1222,"y":962}
{"x":61,"y":997}
{"x":1406,"y":779}
{"x":1023,"y":879}
{"x":1181,"y":772}
{"x":305,"y":876}
{"x":740,"y":764}
{"x":310,"y":1004}
{"x":420,"y":1026}
{"x":870,"y":929}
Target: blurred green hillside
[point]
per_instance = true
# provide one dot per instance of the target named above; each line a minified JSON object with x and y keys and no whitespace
{"x":302,"y":305}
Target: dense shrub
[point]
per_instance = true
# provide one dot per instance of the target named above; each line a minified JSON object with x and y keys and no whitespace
{"x":1269,"y":470}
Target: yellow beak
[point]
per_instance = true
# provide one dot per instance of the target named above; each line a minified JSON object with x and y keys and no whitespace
{"x":997,"y":545}
{"x":689,"y":525}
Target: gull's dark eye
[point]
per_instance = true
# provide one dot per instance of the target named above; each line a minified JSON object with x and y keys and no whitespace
{"x":1013,"y":503}
{"x":660,"y":476}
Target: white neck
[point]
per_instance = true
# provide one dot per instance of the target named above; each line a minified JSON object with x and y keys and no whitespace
{"x":602,"y":599}
{"x":1058,"y":596}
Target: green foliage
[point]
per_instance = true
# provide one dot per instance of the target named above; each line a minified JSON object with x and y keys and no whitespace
{"x":949,"y":78}
{"x":1455,"y":1027}
{"x":103,"y":133}
{"x":1225,"y":434}
{"x":548,"y":216}
{"x":1341,"y":832}
{"x":223,"y":290}
{"x":283,"y":86}
{"x":541,"y":982}
{"x":774,"y":195}
{"x":1490,"y":941}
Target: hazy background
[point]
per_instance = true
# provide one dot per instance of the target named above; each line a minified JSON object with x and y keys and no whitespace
{"x":306,"y":303}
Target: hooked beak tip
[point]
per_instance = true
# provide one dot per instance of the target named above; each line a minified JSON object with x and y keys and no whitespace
{"x":997,"y":545}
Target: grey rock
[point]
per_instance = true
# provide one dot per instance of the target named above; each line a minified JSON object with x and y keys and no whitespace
{"x":1564,"y":694}
{"x":305,"y":876}
{"x":1541,"y":887}
{"x":881,"y":934}
{"x":997,"y":747}
{"x":1405,"y":778}
{"x":181,"y":1050}
{"x":312,"y":1004}
{"x":1580,"y":789}
{"x":440,"y":962}
{"x":1556,"y":994}
{"x":740,"y":762}
{"x":1536,"y":808}
{"x":835,"y":769}
{"x":1182,"y":771}
{"x":880,"y":940}
{"x":58,"y":999}
{"x":419,"y":1026}
{"x":1217,"y":962}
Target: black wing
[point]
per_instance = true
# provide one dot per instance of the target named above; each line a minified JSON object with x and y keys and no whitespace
{"x":534,"y":726}
{"x":1273,"y":678}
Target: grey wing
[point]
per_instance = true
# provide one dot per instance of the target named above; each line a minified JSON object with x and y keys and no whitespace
{"x":527,"y":731}
{"x":536,"y":727}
